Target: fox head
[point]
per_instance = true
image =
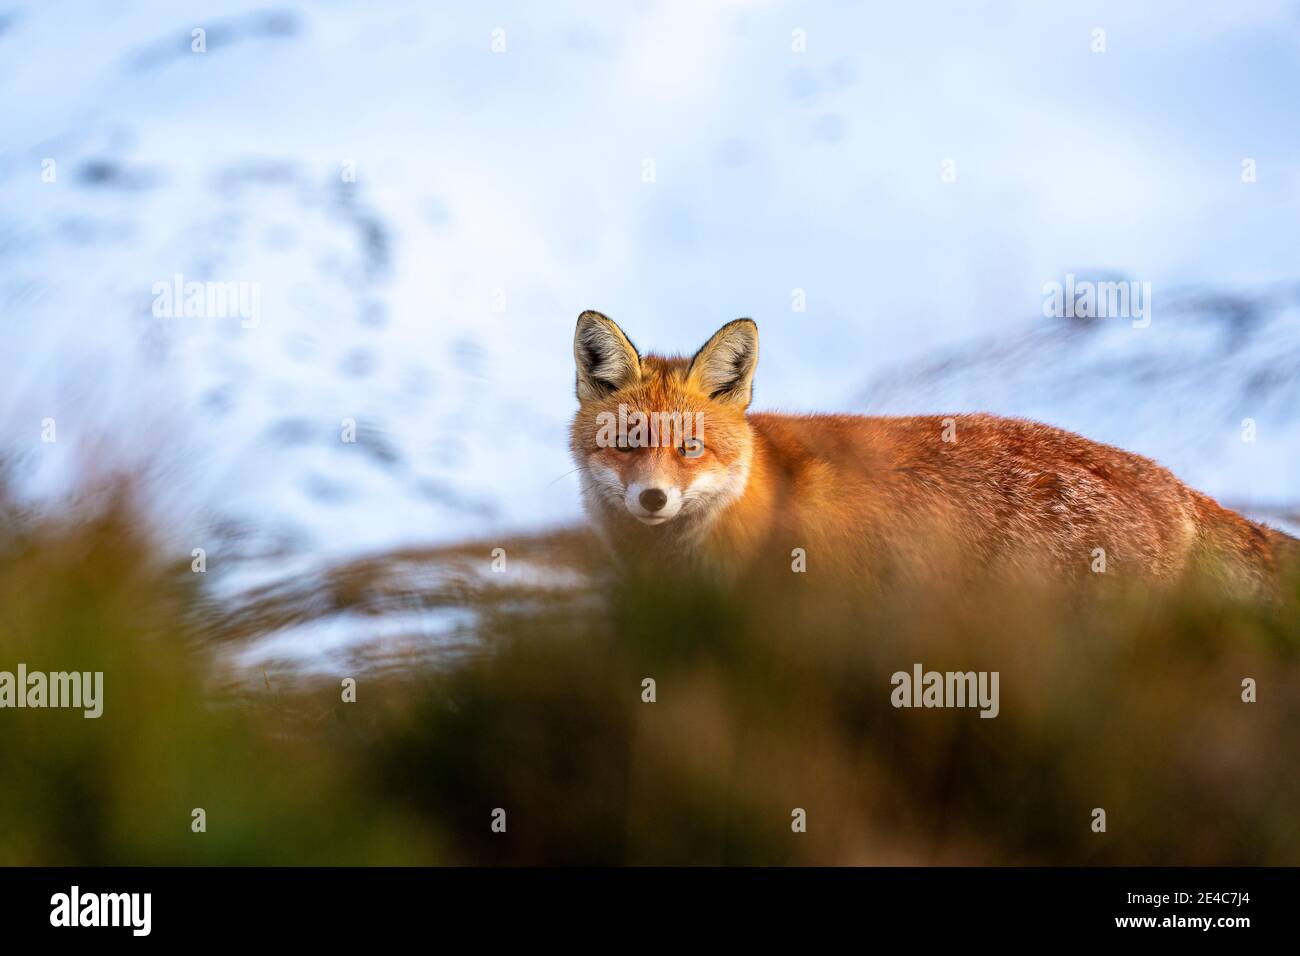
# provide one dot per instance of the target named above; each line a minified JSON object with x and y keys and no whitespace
{"x":662,"y":442}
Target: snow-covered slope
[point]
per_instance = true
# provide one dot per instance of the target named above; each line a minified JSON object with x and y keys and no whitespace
{"x":425,"y":196}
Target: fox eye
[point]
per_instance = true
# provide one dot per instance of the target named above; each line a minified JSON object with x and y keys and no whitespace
{"x":691,"y":448}
{"x":624,"y":448}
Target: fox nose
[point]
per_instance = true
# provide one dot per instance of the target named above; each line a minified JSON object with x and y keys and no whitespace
{"x":652,"y":499}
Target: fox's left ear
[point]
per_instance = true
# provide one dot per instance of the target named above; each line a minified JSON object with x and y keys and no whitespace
{"x":724,"y":368}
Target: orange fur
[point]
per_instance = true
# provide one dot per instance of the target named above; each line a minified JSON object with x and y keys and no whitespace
{"x":876,"y":499}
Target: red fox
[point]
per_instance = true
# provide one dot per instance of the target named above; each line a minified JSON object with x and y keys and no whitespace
{"x":676,"y":472}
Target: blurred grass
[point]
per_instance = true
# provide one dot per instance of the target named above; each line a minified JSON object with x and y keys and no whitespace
{"x":769,"y":700}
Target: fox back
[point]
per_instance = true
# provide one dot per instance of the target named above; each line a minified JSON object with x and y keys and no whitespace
{"x":676,"y":474}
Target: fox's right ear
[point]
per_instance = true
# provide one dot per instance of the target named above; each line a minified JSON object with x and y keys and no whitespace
{"x":606,"y":358}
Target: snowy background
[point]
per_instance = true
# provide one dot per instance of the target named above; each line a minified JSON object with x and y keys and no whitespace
{"x":499,"y":192}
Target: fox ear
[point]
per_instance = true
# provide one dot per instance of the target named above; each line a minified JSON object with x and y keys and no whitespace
{"x":724,"y":368}
{"x":606,"y":358}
